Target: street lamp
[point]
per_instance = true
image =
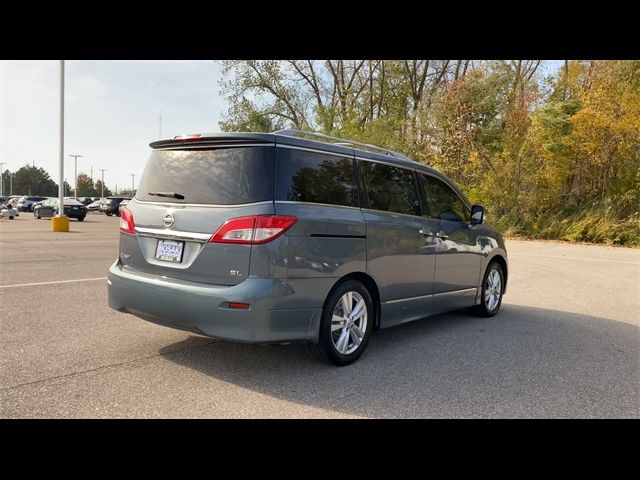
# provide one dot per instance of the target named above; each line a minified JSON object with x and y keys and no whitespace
{"x":75,"y":177}
{"x":133,"y":176}
{"x":102,"y":183}
{"x":2,"y":164}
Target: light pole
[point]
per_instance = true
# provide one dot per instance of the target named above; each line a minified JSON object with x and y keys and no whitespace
{"x":75,"y":175}
{"x":2,"y":164}
{"x":11,"y":184}
{"x":60,"y":223}
{"x":133,"y":176}
{"x":102,"y":183}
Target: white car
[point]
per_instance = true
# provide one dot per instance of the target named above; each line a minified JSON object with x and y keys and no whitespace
{"x":7,"y":211}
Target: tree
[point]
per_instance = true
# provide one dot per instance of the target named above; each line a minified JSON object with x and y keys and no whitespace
{"x":98,"y":189}
{"x":85,"y":186}
{"x":30,"y":180}
{"x":542,"y":154}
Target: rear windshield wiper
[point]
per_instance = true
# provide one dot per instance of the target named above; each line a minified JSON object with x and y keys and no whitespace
{"x":179,"y":196}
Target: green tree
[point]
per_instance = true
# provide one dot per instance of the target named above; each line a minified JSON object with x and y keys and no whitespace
{"x":98,"y":189}
{"x":85,"y":185}
{"x":30,"y":180}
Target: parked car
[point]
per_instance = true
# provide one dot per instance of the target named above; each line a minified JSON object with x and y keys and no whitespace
{"x":25,"y":204}
{"x":50,"y":208}
{"x":94,"y":207}
{"x":110,"y":205}
{"x":13,"y":200}
{"x":7,"y":211}
{"x":294,"y":236}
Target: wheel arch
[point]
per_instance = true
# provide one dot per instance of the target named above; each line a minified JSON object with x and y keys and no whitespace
{"x":370,"y":285}
{"x":502,"y":261}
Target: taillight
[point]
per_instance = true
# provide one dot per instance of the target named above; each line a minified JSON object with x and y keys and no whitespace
{"x":127,"y":225}
{"x":256,"y":229}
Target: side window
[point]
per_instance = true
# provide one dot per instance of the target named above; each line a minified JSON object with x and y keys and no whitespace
{"x":390,"y":189}
{"x":442,"y":202}
{"x":304,"y":176}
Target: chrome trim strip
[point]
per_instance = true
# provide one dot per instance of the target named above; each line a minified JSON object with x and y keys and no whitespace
{"x":390,"y":163}
{"x":325,"y":152}
{"x":373,"y":210}
{"x":397,"y":300}
{"x":474,"y":289}
{"x":173,"y":234}
{"x":206,"y":205}
{"x":314,"y":203}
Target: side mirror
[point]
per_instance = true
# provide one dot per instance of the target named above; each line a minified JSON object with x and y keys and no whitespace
{"x":477,"y":214}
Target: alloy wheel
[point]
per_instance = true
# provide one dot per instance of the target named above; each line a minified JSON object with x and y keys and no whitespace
{"x":349,"y":322}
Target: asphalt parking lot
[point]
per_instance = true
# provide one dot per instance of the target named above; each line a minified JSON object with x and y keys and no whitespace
{"x":566,"y":344}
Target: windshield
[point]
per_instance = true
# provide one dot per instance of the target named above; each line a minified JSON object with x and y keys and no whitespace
{"x":223,"y":176}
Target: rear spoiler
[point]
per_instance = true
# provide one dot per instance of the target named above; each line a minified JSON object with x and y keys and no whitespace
{"x":212,"y":140}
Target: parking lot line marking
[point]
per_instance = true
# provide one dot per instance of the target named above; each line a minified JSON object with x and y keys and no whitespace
{"x":52,"y":283}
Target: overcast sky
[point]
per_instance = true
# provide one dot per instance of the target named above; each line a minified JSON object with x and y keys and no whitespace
{"x":111,"y":112}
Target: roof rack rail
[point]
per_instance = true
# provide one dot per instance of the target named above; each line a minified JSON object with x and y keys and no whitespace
{"x":340,"y":141}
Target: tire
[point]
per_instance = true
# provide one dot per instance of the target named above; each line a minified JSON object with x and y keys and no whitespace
{"x":108,"y":214}
{"x":81,"y":219}
{"x":488,"y":305}
{"x":351,"y":343}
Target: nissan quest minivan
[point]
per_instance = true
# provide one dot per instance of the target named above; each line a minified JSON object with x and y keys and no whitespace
{"x":295,"y":236}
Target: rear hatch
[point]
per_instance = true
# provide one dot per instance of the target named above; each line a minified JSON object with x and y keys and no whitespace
{"x":185,"y":194}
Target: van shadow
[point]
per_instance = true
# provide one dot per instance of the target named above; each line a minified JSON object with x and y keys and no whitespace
{"x":524,"y":362}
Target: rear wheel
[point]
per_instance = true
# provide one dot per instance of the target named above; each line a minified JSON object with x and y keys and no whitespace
{"x":80,"y":219}
{"x":108,"y":214}
{"x":347,"y":322}
{"x":492,"y":289}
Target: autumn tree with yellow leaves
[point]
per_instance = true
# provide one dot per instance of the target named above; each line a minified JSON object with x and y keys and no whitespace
{"x":550,"y":156}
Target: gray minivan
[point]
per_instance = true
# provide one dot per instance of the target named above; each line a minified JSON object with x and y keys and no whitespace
{"x":293,"y":236}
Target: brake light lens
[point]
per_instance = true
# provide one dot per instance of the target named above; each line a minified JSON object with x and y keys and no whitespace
{"x":239,"y":305}
{"x":256,"y":229}
{"x":127,"y":225}
{"x":195,"y":136}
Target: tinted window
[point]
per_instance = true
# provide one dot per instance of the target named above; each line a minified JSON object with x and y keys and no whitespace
{"x":304,"y":176}
{"x":223,"y":176}
{"x":442,"y":201}
{"x":391,"y":189}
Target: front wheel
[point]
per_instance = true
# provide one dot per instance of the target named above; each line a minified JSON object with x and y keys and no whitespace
{"x":492,"y":290}
{"x":108,"y":214}
{"x":80,"y":219}
{"x":347,"y":322}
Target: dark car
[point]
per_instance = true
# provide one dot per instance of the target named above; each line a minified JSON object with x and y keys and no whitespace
{"x":49,"y":208}
{"x":111,"y":205}
{"x":275,"y":238}
{"x":25,"y":204}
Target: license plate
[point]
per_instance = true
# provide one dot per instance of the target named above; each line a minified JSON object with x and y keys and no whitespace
{"x":169,"y":251}
{"x":75,"y":208}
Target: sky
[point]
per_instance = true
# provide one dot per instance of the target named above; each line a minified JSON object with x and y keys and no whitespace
{"x":111,"y":112}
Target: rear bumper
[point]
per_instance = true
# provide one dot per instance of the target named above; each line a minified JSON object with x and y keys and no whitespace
{"x":274,"y":314}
